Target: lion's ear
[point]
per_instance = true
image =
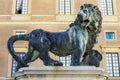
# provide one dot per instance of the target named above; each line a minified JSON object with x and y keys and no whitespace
{"x":95,"y":7}
{"x":81,"y":7}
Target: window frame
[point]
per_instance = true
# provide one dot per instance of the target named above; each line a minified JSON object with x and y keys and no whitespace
{"x":65,"y":60}
{"x":115,"y":35}
{"x":14,"y":8}
{"x":14,"y":66}
{"x":112,"y":60}
{"x":109,"y":48}
{"x":110,"y":33}
{"x":24,"y":9}
{"x":65,"y":5}
{"x":105,"y":3}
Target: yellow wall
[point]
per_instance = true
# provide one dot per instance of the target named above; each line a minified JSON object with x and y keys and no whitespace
{"x":44,"y":14}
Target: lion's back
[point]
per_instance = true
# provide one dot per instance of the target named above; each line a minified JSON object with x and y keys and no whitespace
{"x":60,"y":42}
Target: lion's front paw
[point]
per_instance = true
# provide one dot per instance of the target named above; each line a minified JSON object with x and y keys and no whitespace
{"x":83,"y":64}
{"x":78,"y":64}
{"x":57,"y":63}
{"x":54,"y":63}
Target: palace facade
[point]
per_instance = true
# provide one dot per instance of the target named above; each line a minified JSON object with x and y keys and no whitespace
{"x":23,"y":16}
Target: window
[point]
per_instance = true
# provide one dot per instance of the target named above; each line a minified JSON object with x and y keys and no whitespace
{"x":21,"y":6}
{"x":107,"y":7}
{"x":19,"y":32}
{"x":110,"y":35}
{"x":112,"y":64}
{"x":65,"y":6}
{"x":14,"y":63}
{"x":66,"y":60}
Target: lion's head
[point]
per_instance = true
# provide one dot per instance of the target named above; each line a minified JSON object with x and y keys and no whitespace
{"x":90,"y":17}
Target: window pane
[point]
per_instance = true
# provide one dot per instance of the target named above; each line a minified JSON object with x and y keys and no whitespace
{"x":112,"y":64}
{"x":65,"y":60}
{"x":110,"y":35}
{"x":21,"y":6}
{"x":110,"y":7}
{"x":107,"y":7}
{"x":14,"y":63}
{"x":68,"y":6}
{"x":64,"y":6}
{"x":104,"y":7}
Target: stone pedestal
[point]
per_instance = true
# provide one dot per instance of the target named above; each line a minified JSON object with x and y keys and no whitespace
{"x":61,"y":73}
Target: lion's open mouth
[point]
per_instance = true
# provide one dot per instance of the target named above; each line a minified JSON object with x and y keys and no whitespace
{"x":85,"y":21}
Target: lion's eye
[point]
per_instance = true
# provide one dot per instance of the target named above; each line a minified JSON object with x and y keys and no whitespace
{"x":36,"y":35}
{"x":92,"y":9}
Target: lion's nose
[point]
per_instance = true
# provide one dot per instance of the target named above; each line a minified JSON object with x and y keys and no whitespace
{"x":84,"y":12}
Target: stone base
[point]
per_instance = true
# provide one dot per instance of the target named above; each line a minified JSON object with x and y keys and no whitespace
{"x":61,"y":73}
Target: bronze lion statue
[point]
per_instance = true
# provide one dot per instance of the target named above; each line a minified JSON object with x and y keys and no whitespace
{"x":77,"y":41}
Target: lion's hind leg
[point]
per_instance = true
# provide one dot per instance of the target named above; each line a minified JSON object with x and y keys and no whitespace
{"x":44,"y":54}
{"x":41,"y":43}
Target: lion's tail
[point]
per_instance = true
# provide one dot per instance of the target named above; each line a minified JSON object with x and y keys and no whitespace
{"x":10,"y":44}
